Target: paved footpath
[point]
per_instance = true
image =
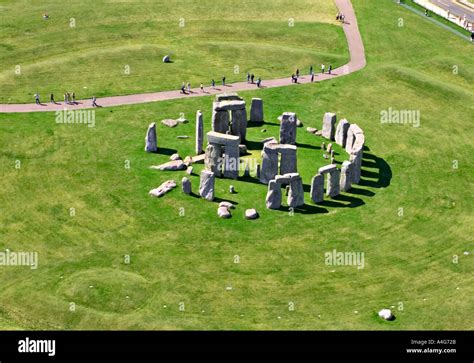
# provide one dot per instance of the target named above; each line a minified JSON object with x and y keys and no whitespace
{"x":357,"y":62}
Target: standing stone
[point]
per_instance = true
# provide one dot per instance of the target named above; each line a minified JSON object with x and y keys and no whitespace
{"x":341,"y":132}
{"x":329,"y":125}
{"x":317,"y":188}
{"x":288,"y":128}
{"x":256,"y":110}
{"x":333,"y":187}
{"x":346,"y":176}
{"x":199,"y":132}
{"x":269,"y":163}
{"x":186,"y":185}
{"x":150,"y":139}
{"x":350,"y":139}
{"x":206,"y":185}
{"x":257,"y":171}
{"x":247,"y":170}
{"x":288,"y":159}
{"x":220,"y":121}
{"x":231,"y":189}
{"x":273,"y":199}
{"x":213,"y":159}
{"x":356,"y":159}
{"x":296,"y":193}
{"x":239,"y":123}
{"x":231,"y":161}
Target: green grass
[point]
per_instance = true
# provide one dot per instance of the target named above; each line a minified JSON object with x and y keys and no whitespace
{"x":190,"y":259}
{"x":117,"y":48}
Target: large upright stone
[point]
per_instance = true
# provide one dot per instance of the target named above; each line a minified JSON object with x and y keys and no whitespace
{"x":329,"y":125}
{"x":220,"y":121}
{"x":273,"y":199}
{"x":296,"y":193}
{"x":356,"y":159}
{"x":288,"y":162}
{"x":206,"y":185}
{"x":256,"y":110}
{"x":199,"y":132}
{"x":239,"y":123}
{"x":350,"y":139}
{"x":341,"y":132}
{"x":213,"y":159}
{"x":333,"y":187}
{"x":288,"y":128}
{"x":231,"y":162}
{"x":269,"y":163}
{"x":150,"y":139}
{"x":317,"y":188}
{"x":346,"y":176}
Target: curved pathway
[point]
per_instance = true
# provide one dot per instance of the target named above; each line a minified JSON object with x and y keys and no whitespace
{"x":357,"y":62}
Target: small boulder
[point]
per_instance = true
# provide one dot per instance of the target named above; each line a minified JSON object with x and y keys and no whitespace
{"x":251,"y":214}
{"x":166,"y":59}
{"x":386,"y":314}
{"x":182,"y":120}
{"x":223,"y":212}
{"x":169,"y":122}
{"x":311,"y":130}
{"x":243,"y":150}
{"x":231,"y":189}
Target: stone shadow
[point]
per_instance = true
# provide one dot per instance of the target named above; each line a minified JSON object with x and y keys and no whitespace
{"x":166,"y":151}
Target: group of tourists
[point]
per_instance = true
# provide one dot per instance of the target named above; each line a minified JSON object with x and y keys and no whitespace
{"x":251,"y":79}
{"x":340,"y":16}
{"x":295,"y":76}
{"x":69,"y":99}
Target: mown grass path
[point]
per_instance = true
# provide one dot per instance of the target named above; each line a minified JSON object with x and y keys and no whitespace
{"x":357,"y":62}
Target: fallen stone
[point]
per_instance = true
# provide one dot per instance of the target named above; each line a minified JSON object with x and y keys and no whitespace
{"x":223,"y":212}
{"x":188,"y":160}
{"x":169,"y":122}
{"x":170,"y":165}
{"x":182,"y":137}
{"x":189,"y":170}
{"x":227,"y":205}
{"x":251,"y":214}
{"x":163,"y":189}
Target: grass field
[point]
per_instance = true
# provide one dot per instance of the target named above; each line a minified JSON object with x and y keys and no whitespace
{"x":190,"y":259}
{"x":116,"y":47}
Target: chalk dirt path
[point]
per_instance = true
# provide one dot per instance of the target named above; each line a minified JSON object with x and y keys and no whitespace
{"x":357,"y":62}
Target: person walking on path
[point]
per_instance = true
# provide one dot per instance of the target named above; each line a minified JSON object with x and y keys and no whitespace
{"x":323,"y":67}
{"x":297,"y":73}
{"x":74,"y":97}
{"x":311,"y":69}
{"x":37,"y":99}
{"x":248,"y":77}
{"x":51,"y":99}
{"x":202,"y":87}
{"x":252,"y":78}
{"x":259,"y":82}
{"x":312,"y":77}
{"x":329,"y":69}
{"x":213,"y":83}
{"x":293,"y":78}
{"x":189,"y":87}
{"x":94,"y":101}
{"x":223,"y":80}
{"x":183,"y":88}
{"x":68,"y":97}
